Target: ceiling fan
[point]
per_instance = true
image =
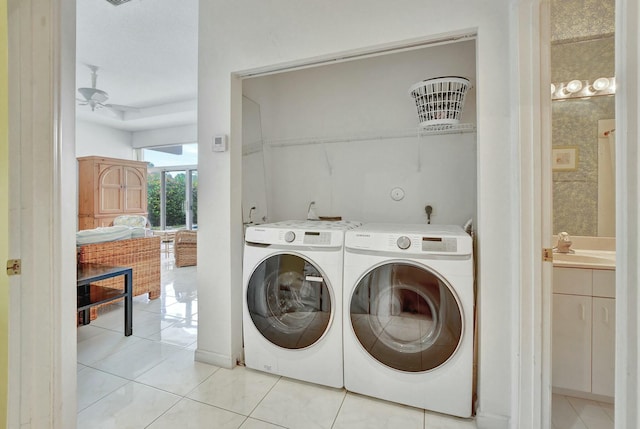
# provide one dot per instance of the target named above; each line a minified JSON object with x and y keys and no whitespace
{"x":96,"y":98}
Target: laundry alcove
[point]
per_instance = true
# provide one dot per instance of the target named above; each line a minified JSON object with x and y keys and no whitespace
{"x":346,"y":134}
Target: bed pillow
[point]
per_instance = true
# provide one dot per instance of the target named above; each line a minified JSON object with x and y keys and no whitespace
{"x":133,"y":221}
{"x":138,"y":232}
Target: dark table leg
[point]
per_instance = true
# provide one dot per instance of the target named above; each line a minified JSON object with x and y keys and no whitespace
{"x":85,"y":315}
{"x":128,"y":303}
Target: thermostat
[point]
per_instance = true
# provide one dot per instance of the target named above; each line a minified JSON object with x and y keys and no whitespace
{"x":219,"y":143}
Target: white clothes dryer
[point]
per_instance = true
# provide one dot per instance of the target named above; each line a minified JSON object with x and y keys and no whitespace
{"x":292,"y":315}
{"x":409,"y":315}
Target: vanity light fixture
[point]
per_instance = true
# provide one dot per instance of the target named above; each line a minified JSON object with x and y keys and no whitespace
{"x":573,"y":86}
{"x":583,"y":88}
{"x":600,"y":84}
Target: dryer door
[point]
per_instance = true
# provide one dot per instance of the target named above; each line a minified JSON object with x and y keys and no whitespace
{"x":407,"y":317}
{"x":289,"y":301}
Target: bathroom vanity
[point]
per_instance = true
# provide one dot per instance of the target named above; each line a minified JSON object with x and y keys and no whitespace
{"x":583,"y":324}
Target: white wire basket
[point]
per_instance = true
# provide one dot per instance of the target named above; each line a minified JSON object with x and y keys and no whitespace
{"x":440,"y":100}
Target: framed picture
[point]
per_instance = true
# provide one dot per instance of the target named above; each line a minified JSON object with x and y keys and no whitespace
{"x":564,"y":158}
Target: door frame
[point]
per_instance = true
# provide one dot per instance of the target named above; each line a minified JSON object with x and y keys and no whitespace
{"x":627,"y":378}
{"x":535,"y":369}
{"x":532,"y":409}
{"x":42,"y":151}
{"x":42,"y":214}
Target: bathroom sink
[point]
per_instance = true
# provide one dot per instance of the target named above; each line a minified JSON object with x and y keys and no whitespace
{"x":586,"y":259}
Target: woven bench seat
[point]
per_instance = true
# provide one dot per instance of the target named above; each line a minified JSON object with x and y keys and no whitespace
{"x":141,"y":254}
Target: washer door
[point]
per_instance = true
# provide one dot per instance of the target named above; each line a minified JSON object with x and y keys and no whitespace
{"x":289,"y":301}
{"x":406,"y":317}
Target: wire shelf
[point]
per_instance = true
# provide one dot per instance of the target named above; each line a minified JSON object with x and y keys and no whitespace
{"x":429,"y":130}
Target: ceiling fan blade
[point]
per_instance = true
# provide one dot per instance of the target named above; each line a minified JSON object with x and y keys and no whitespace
{"x":96,"y":98}
{"x":122,"y":108}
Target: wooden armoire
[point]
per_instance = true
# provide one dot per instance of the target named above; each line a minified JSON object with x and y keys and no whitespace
{"x":109,"y":187}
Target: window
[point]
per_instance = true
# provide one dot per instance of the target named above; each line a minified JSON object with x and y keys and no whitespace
{"x":172,"y":186}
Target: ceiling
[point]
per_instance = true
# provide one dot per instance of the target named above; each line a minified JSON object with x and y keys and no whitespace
{"x":147,"y":54}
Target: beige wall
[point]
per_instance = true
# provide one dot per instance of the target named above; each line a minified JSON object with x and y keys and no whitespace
{"x":4,"y":212}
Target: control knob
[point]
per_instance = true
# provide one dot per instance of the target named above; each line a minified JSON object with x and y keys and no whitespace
{"x":403,"y":242}
{"x":289,"y":236}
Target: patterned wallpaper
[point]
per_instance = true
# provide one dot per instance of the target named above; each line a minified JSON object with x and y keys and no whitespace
{"x":582,"y":48}
{"x":579,"y":19}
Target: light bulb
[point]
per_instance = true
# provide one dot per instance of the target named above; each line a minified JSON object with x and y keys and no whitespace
{"x":574,"y":86}
{"x":601,"y":83}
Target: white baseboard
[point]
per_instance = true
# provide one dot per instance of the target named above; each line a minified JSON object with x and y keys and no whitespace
{"x":491,"y":421}
{"x":583,"y":395}
{"x":212,"y":358}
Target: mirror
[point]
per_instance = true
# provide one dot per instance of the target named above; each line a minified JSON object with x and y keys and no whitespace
{"x":583,"y":185}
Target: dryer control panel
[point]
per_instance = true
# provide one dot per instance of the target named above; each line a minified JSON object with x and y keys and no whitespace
{"x":439,"y":244}
{"x":447,"y":241}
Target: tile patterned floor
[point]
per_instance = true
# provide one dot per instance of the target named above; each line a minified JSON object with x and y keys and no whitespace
{"x":576,"y":413}
{"x":150,"y":380}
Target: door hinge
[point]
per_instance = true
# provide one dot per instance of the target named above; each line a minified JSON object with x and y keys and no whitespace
{"x":13,"y":267}
{"x":547,"y":255}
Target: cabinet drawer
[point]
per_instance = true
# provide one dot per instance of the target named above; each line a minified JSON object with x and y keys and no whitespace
{"x":572,"y":281}
{"x":604,"y":283}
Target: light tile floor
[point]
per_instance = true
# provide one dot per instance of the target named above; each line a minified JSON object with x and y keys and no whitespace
{"x":150,"y":380}
{"x":575,"y":413}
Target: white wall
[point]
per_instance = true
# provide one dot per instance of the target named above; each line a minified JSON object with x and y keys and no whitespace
{"x":100,"y":140}
{"x":181,"y":134}
{"x":354,"y":179}
{"x":263,"y":35}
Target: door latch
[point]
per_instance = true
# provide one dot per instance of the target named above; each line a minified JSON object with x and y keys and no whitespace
{"x":13,"y":267}
{"x":547,"y":255}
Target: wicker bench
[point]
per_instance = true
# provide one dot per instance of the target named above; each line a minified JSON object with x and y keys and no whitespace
{"x":141,"y":254}
{"x":185,"y":248}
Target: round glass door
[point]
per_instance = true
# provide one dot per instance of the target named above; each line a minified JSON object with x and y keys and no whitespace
{"x":406,"y":317}
{"x":289,"y":301}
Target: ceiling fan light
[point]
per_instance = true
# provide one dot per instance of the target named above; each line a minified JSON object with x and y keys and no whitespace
{"x":93,"y":94}
{"x":118,"y":2}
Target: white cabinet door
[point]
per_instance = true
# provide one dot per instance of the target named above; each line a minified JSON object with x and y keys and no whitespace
{"x":603,"y":354}
{"x":571,"y":361}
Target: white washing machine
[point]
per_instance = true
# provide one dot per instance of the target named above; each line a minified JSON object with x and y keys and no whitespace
{"x":409,"y":315}
{"x":292,"y":315}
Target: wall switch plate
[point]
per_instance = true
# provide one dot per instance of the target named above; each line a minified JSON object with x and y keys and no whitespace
{"x":219,"y":143}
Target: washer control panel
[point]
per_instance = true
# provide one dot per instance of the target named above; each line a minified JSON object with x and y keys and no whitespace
{"x":298,"y":233}
{"x":316,"y":237}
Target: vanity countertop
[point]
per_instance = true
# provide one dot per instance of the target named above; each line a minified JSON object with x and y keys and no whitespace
{"x":583,"y":258}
